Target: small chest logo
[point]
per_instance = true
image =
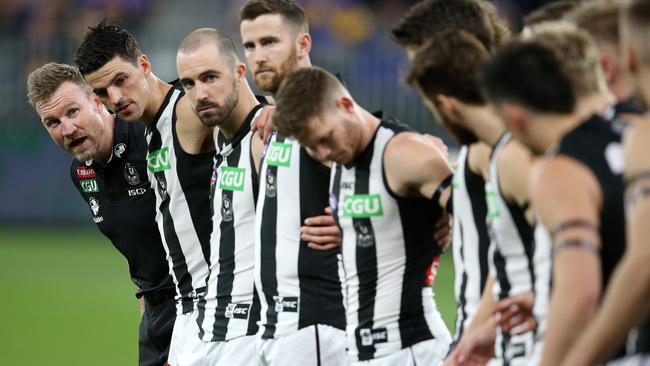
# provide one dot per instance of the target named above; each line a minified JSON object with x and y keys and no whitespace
{"x":271,"y":186}
{"x":279,"y":154}
{"x":286,"y":304}
{"x":162,"y":187}
{"x":373,"y":336}
{"x":84,"y":173}
{"x":365,"y":234}
{"x":232,"y":179}
{"x":89,"y":185}
{"x":158,"y":160}
{"x":492,"y":203}
{"x":226,"y":209}
{"x":237,"y":311}
{"x":131,"y":174}
{"x":94,"y":207}
{"x":119,"y":149}
{"x":362,"y":206}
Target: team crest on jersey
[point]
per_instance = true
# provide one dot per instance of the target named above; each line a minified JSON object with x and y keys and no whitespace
{"x":365,"y":234}
{"x":89,"y":185}
{"x":237,"y":311}
{"x":162,"y":187}
{"x":226,"y":208}
{"x":271,"y":184}
{"x":131,"y":174}
{"x":279,"y":154}
{"x":94,"y":207}
{"x":119,"y":149}
{"x":362,"y":206}
{"x":369,"y":337}
{"x":85,"y":173}
{"x":232,"y":179}
{"x":286,"y":304}
{"x":158,"y":161}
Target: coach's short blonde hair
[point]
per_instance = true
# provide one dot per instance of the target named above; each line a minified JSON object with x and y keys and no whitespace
{"x":577,"y":53}
{"x":43,"y":82}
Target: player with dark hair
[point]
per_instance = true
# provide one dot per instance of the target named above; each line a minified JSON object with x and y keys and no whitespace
{"x":109,"y":170}
{"x":388,"y":187}
{"x":551,"y":93}
{"x":179,"y":159}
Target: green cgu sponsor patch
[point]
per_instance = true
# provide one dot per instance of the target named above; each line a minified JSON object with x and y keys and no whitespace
{"x":362,"y":206}
{"x":89,"y":185}
{"x":158,"y":160}
{"x":279,"y":154}
{"x":232,"y":179}
{"x":492,"y":203}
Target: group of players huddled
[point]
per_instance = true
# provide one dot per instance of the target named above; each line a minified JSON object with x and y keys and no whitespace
{"x":301,"y":229}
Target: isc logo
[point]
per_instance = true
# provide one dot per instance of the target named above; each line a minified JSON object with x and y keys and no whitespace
{"x":232,"y":179}
{"x":362,"y":206}
{"x":158,"y":160}
{"x":237,"y":311}
{"x":373,"y":336}
{"x":279,"y":154}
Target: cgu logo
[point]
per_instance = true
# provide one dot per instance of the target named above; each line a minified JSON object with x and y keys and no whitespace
{"x":232,"y":179}
{"x":89,"y":185}
{"x":279,"y":154}
{"x":362,"y":206}
{"x":158,"y":160}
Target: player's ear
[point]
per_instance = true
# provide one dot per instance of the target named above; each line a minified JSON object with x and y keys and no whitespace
{"x":303,"y":43}
{"x":447,"y":106}
{"x":143,"y":62}
{"x":514,"y":117}
{"x":632,"y":63}
{"x":94,"y":99}
{"x":346,"y":103}
{"x":240,"y":71}
{"x":610,"y":67}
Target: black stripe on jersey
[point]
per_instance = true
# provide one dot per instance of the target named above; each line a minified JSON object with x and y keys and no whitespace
{"x":321,"y":300}
{"x":476,"y":188}
{"x":366,"y":254}
{"x":181,"y":272}
{"x":268,"y":245}
{"x":526,"y":233}
{"x":194,"y":173}
{"x":226,"y":276}
{"x":460,"y":323}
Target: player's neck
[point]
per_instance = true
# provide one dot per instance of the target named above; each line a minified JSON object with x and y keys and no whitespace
{"x":369,"y":124}
{"x":106,"y":144}
{"x":158,"y":90}
{"x":485,"y":123}
{"x":237,"y":117}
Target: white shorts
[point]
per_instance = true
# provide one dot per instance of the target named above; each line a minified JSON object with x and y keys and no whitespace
{"x":186,"y":348}
{"x":431,"y":352}
{"x":314,"y":345}
{"x":238,"y":351}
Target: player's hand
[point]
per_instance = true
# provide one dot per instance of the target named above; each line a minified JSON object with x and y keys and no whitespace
{"x":263,"y":124}
{"x":515,"y":313}
{"x":476,"y":347}
{"x":442,"y":233}
{"x":321,"y":232}
{"x":439,"y":143}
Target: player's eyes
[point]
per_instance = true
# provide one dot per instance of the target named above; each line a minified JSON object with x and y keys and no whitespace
{"x":120,"y":81}
{"x":72,"y":112}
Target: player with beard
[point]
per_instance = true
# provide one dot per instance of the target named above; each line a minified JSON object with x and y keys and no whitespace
{"x":624,"y":305}
{"x":552,"y":94}
{"x":471,"y":241}
{"x":180,"y":152}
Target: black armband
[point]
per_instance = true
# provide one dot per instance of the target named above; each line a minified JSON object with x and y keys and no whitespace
{"x":575,"y":244}
{"x":441,"y":188}
{"x":571,"y":224}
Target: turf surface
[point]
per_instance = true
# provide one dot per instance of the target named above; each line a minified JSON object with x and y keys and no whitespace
{"x":67,"y":299}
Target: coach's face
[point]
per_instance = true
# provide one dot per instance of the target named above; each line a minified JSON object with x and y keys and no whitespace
{"x":73,"y":118}
{"x":210,"y":83}
{"x":272,"y":49}
{"x":122,"y":87}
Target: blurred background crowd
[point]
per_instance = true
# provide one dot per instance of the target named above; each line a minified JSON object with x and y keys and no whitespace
{"x":351,"y":37}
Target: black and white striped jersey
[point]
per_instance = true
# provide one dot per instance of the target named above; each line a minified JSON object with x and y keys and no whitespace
{"x":228,"y":309}
{"x":387,"y":248}
{"x":297,"y":286}
{"x":513,"y":250}
{"x":543,"y":273}
{"x":470,"y":241}
{"x":181,"y":182}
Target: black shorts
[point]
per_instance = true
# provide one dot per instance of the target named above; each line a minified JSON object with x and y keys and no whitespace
{"x":156,"y":328}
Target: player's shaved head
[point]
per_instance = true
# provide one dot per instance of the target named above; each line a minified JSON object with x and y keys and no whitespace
{"x":203,"y":36}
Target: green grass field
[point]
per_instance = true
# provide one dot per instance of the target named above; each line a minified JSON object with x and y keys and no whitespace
{"x":67,"y":299}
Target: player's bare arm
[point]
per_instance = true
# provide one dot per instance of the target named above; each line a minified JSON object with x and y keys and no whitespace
{"x":479,"y":158}
{"x":513,"y":163}
{"x":625,"y":303}
{"x":567,"y":199}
